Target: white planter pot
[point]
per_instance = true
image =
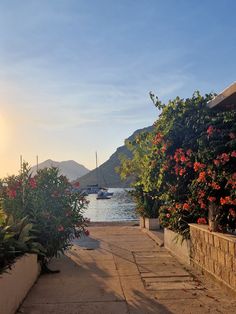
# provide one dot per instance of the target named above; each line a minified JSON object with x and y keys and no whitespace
{"x":142,"y":222}
{"x":15,"y":284}
{"x":152,"y":223}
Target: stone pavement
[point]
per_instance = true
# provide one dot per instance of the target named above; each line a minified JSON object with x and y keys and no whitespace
{"x":119,"y":269}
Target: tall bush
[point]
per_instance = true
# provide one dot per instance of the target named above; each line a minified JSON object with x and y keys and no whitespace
{"x":49,"y":203}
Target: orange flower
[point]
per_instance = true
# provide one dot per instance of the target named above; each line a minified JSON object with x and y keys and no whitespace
{"x":226,"y":200}
{"x":186,"y":206}
{"x":198,"y":166}
{"x":215,"y":186}
{"x":202,"y":177}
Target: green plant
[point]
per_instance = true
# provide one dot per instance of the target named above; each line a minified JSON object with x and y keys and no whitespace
{"x":16,"y":239}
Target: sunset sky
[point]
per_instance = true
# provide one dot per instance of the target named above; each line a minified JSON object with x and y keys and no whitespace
{"x":75,"y":74}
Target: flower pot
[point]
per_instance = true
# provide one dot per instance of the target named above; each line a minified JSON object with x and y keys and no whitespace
{"x":142,"y":222}
{"x":152,"y":223}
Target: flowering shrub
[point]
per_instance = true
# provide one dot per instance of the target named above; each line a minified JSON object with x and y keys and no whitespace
{"x":50,"y":205}
{"x":188,"y":163}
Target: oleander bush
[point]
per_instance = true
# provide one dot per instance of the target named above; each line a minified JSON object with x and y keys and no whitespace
{"x":50,"y":204}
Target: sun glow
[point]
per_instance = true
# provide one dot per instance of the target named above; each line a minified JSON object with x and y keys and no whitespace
{"x":3,"y":133}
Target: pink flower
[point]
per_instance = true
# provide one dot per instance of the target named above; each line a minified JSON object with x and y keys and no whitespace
{"x":202,"y":221}
{"x":32,"y":183}
{"x":11,"y":193}
{"x":167,"y":215}
{"x":233,"y":154}
{"x":211,"y":199}
{"x":210,"y":130}
{"x":60,"y":228}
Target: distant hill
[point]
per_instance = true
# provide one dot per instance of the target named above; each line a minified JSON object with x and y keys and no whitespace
{"x":71,"y":169}
{"x":105,"y":175}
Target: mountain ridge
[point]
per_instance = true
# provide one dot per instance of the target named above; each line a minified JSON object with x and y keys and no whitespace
{"x":106,"y":173}
{"x":70,"y":168}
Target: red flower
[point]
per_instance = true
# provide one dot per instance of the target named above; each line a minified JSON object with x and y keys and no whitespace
{"x":186,"y":206}
{"x":182,"y":171}
{"x":11,"y":193}
{"x":202,"y":205}
{"x":202,"y":220}
{"x":32,"y":183}
{"x":158,"y":138}
{"x":164,"y":148}
{"x":201,"y":193}
{"x":216,"y":162}
{"x":211,"y":199}
{"x":226,"y":200}
{"x":232,"y":212}
{"x":198,"y":166}
{"x":183,"y":158}
{"x":210,"y":130}
{"x":86,"y":232}
{"x":202,"y":177}
{"x":215,"y":186}
{"x":233,"y":154}
{"x":76,"y":184}
{"x":60,"y":228}
{"x":189,"y":152}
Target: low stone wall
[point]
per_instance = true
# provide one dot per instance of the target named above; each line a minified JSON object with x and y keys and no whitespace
{"x":15,"y":284}
{"x":175,"y":243}
{"x":215,"y":253}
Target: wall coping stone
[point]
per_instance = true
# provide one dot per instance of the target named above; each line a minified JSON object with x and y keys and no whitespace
{"x":226,"y":236}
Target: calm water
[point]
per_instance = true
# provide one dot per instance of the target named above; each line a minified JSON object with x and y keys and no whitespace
{"x":119,"y":208}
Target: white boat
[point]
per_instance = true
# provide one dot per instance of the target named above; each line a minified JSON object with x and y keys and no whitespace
{"x":103,"y":195}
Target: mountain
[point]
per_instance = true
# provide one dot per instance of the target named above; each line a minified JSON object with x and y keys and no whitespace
{"x":105,"y":175}
{"x":71,"y":169}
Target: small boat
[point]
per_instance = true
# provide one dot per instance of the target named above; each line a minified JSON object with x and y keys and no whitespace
{"x":102,"y":195}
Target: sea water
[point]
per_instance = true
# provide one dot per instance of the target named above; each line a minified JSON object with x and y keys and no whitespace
{"x":120,"y":207}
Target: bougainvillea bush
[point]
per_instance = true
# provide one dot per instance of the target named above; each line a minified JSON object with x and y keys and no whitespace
{"x":188,"y":163}
{"x":49,"y":202}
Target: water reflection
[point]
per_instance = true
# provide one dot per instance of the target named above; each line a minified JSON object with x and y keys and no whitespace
{"x":119,"y":208}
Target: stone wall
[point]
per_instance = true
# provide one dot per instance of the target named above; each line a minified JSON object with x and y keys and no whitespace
{"x":214,"y":252}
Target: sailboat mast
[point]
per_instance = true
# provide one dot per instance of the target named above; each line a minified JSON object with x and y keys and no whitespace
{"x":97,"y":166}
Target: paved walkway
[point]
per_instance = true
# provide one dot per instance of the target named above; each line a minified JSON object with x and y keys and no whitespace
{"x":119,"y":269}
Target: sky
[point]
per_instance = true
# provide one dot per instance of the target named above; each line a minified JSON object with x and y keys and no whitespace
{"x":75,"y":75}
